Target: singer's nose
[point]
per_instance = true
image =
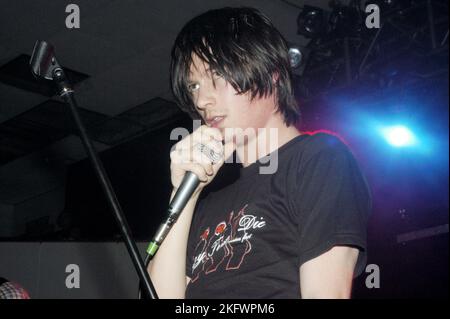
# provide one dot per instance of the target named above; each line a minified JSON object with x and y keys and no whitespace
{"x":206,"y":95}
{"x":204,"y":103}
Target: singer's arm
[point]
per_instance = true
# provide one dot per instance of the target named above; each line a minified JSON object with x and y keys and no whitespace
{"x":330,"y":275}
{"x":168,"y":267}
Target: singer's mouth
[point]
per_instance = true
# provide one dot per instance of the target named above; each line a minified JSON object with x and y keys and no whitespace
{"x":215,"y":121}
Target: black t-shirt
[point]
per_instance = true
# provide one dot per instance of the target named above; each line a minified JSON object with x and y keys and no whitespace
{"x":249,"y":239}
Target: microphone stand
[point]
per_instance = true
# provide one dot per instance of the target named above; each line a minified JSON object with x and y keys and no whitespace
{"x":44,"y":64}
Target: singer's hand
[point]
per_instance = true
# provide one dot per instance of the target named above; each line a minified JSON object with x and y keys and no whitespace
{"x":186,"y":156}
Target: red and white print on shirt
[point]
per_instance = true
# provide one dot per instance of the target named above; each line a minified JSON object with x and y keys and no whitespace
{"x":226,"y":244}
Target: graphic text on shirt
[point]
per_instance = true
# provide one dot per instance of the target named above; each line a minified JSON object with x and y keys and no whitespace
{"x":227,"y":244}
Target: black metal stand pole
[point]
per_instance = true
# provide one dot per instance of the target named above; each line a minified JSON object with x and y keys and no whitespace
{"x":66,"y":92}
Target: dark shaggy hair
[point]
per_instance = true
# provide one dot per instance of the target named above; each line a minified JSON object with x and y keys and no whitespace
{"x":245,"y":48}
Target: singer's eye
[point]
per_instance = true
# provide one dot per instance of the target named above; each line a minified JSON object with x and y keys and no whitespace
{"x":217,"y":74}
{"x":192,"y":87}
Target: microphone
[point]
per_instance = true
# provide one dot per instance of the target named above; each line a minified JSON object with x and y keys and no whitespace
{"x":43,"y":61}
{"x":183,"y":194}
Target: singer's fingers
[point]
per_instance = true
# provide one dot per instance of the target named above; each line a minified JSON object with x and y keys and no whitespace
{"x":197,"y":169}
{"x":207,"y":147}
{"x":199,"y":137}
{"x":196,"y":153}
{"x":202,"y":135}
{"x":228,"y":150}
{"x":184,"y":156}
{"x":202,"y":158}
{"x":196,"y":143}
{"x":213,"y":146}
{"x":205,"y":140}
{"x":205,"y":130}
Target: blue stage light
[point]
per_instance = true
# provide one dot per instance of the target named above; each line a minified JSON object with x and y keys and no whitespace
{"x":399,"y":136}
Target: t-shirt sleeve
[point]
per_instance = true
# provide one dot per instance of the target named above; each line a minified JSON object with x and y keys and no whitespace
{"x":333,"y":202}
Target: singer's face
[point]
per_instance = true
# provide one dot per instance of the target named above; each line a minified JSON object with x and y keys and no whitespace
{"x":214,"y":96}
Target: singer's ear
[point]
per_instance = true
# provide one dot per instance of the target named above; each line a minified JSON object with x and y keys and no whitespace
{"x":275,"y":77}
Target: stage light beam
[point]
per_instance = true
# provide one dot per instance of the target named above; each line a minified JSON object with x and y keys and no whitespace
{"x":399,"y":136}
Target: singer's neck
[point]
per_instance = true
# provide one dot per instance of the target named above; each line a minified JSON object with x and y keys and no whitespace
{"x":267,"y":140}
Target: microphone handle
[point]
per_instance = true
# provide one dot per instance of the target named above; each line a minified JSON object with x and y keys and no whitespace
{"x":183,"y":194}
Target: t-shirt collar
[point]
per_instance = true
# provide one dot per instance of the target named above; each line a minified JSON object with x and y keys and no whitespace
{"x":253,"y":168}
